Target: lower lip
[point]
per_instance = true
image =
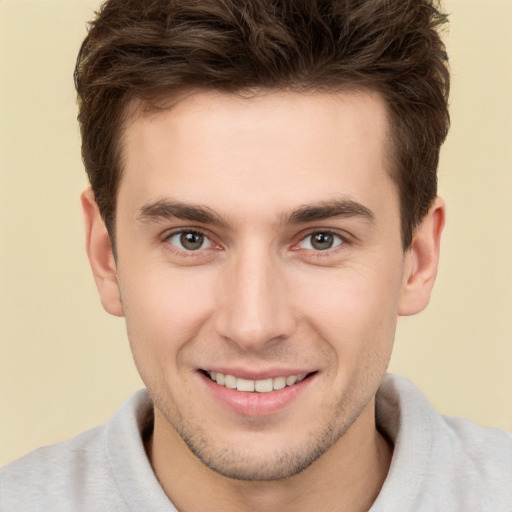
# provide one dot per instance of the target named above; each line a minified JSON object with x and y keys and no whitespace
{"x":256,"y":404}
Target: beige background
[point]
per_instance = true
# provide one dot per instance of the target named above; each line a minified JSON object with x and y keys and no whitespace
{"x":65,"y":364}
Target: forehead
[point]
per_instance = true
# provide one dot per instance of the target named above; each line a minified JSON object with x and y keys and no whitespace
{"x":273,"y":149}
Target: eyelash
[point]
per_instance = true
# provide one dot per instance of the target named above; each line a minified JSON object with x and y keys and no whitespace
{"x":342,"y":241}
{"x":339,"y":240}
{"x":182,"y":252}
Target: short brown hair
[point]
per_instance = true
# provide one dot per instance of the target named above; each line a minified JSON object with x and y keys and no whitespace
{"x":146,"y":49}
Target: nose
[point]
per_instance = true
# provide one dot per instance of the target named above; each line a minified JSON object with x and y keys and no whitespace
{"x":254,"y":304}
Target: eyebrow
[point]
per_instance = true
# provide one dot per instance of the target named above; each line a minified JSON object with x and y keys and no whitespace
{"x":333,"y":209}
{"x":168,"y":210}
{"x":338,"y":208}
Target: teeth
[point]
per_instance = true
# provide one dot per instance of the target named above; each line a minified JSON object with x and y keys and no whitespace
{"x":244,"y":385}
{"x":264,"y":386}
{"x":290,"y":381}
{"x":279,"y":383}
{"x":260,"y":386}
{"x":230,"y":381}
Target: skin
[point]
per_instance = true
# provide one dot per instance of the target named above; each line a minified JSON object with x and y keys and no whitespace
{"x":257,"y":296}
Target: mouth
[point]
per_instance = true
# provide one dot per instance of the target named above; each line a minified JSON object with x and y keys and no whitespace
{"x":255,"y":386}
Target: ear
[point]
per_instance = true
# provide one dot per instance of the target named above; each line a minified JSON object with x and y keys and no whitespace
{"x":422,"y":260}
{"x":100,"y":254}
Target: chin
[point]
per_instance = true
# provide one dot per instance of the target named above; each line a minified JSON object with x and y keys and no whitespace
{"x":248,"y":467}
{"x":257,"y":457}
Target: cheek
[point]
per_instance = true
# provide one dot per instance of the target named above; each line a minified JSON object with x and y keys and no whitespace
{"x":164,"y":311}
{"x":354,"y":310}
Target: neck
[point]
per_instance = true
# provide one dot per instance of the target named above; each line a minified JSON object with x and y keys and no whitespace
{"x":348,"y":476}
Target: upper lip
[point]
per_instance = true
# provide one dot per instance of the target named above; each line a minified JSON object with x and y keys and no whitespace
{"x":261,"y":374}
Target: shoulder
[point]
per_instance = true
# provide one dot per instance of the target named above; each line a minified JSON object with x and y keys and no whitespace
{"x":482,"y":454}
{"x":441,"y":461}
{"x":52,"y":475}
{"x":75,"y":474}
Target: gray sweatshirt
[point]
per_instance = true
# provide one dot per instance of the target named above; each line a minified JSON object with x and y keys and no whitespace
{"x":439,"y":464}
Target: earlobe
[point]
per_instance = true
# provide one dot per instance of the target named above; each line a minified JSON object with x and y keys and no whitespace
{"x":422,"y":260}
{"x":100,"y":254}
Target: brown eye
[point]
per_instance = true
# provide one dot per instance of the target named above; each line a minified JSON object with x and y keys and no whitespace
{"x":321,"y":241}
{"x":190,"y":241}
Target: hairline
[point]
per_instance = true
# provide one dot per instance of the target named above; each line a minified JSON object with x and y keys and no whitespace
{"x":136,"y":107}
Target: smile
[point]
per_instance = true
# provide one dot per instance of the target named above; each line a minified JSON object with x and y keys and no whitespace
{"x":255,"y":386}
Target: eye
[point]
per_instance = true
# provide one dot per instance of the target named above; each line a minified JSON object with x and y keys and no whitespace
{"x":320,"y":241}
{"x":190,"y":241}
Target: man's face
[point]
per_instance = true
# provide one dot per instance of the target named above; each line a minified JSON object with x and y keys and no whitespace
{"x":259,"y":243}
